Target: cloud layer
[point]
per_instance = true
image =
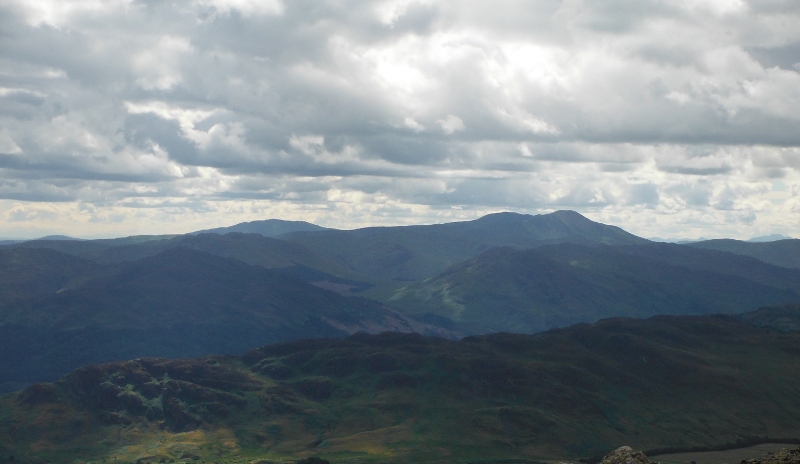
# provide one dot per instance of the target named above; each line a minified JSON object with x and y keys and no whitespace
{"x":671,"y":118}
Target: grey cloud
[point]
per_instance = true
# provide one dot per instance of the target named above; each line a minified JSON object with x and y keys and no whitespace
{"x":710,"y":171}
{"x":643,"y":194}
{"x":785,"y":56}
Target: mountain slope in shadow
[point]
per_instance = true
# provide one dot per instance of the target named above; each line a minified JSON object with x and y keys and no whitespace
{"x":529,"y":291}
{"x":178,"y":303}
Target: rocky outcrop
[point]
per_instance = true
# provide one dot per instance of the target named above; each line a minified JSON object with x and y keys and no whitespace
{"x":625,"y":455}
{"x":783,"y":456}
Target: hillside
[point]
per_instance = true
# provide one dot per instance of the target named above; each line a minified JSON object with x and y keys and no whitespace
{"x":581,"y":391}
{"x":551,"y":286}
{"x":178,"y":303}
{"x":419,"y":252}
{"x":784,"y":253}
{"x":784,"y":318}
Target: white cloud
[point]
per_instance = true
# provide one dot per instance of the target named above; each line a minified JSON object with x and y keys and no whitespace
{"x":7,"y":144}
{"x":451,"y":124}
{"x":158,"y":67}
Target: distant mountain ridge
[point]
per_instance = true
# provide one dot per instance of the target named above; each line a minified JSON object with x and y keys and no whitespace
{"x":784,"y":253}
{"x":419,"y":252}
{"x":269,"y":228}
{"x":769,"y":238}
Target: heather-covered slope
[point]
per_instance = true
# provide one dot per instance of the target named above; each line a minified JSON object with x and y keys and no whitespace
{"x":420,"y":252}
{"x":556,"y":285}
{"x":580,"y":391}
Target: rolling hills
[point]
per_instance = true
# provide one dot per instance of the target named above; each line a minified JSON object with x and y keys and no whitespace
{"x":580,"y":391}
{"x":61,"y":312}
{"x":552,"y":286}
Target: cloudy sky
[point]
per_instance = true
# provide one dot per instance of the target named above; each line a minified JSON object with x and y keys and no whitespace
{"x":672,"y":118}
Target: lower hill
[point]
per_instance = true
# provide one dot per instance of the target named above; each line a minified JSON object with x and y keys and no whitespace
{"x":552,"y":286}
{"x":179,"y":303}
{"x":664,"y":382}
{"x":785,"y":318}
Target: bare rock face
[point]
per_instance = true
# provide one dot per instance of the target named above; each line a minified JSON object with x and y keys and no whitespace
{"x":783,"y":456}
{"x":625,"y":455}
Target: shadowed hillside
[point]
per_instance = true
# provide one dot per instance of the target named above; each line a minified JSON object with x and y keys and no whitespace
{"x":178,"y":303}
{"x":581,"y":391}
{"x":557,"y":285}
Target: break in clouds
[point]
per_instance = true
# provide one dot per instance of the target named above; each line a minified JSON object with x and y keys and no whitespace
{"x":669,"y":118}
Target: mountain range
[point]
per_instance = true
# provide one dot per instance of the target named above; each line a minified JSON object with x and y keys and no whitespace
{"x":67,"y":303}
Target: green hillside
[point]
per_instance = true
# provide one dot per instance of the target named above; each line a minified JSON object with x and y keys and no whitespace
{"x":581,"y":391}
{"x":557,"y":285}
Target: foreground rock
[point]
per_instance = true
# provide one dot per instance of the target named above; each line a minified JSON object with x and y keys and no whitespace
{"x":625,"y":455}
{"x":782,"y":456}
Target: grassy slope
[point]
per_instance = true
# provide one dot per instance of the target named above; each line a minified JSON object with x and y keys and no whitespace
{"x":666,"y":381}
{"x":784,"y":253}
{"x":557,"y":285}
{"x":419,"y":252}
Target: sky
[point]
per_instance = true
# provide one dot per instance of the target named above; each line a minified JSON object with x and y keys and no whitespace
{"x":667,"y":118}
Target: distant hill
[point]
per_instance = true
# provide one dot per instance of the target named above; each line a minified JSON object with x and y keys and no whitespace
{"x":664,"y":382}
{"x":769,"y":238}
{"x":507,"y":290}
{"x":255,"y":249}
{"x":419,"y":252}
{"x":784,"y":253}
{"x":58,"y":237}
{"x":28,"y":273}
{"x":59,"y":312}
{"x":268,"y":228}
{"x":81,"y":248}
